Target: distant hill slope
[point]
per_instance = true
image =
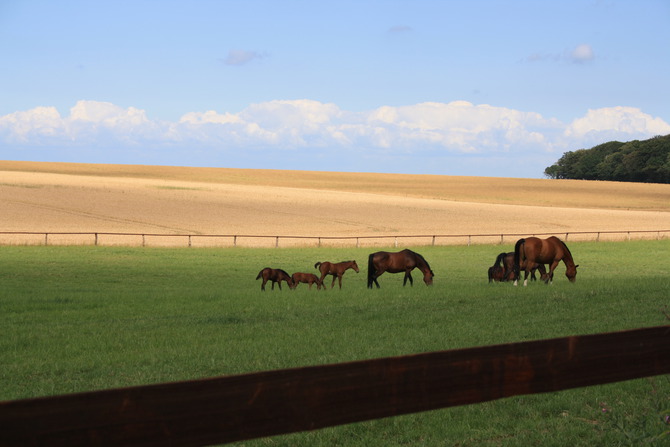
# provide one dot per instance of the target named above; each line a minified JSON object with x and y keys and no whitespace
{"x":646,"y":161}
{"x":493,"y":190}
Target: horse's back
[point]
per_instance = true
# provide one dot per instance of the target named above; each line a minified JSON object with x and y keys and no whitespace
{"x":265,"y":271}
{"x":544,"y":250}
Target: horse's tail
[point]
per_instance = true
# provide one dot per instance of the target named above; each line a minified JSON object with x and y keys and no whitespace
{"x":499,"y":259}
{"x":517,"y":256}
{"x":260,"y":274}
{"x":371,"y":271}
{"x":316,"y":266}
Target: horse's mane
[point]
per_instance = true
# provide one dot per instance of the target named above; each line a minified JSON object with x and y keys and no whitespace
{"x":566,"y":247}
{"x":423,"y":259}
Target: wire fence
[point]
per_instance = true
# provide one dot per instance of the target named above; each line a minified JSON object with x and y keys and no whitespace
{"x":277,"y":241}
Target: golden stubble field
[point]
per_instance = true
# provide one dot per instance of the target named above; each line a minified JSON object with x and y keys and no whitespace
{"x":88,"y":198}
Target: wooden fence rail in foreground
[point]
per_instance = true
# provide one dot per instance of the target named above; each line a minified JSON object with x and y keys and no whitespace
{"x":189,"y":238}
{"x":226,"y":409}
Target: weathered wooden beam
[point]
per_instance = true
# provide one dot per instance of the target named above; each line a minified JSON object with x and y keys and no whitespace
{"x":231,"y":408}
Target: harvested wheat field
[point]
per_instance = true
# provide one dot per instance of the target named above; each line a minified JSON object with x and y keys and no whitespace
{"x":156,"y":200}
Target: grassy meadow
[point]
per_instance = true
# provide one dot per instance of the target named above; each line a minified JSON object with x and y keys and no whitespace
{"x":86,"y":318}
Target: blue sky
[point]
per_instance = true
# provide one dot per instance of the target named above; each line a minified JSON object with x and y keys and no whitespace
{"x":490,"y":88}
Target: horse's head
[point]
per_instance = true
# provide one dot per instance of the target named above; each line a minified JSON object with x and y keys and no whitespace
{"x":428,"y":276}
{"x":354,"y":266}
{"x":571,"y":273}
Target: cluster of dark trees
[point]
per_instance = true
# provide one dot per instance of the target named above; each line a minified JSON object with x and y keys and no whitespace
{"x":645,"y":161}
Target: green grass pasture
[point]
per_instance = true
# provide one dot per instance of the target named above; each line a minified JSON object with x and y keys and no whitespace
{"x":85,"y":318}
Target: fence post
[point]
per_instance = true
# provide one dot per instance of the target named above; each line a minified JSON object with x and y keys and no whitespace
{"x":396,"y":242}
{"x":433,"y":241}
{"x":598,"y":237}
{"x":144,"y":241}
{"x":358,"y":243}
{"x":469,"y":239}
{"x":235,"y":241}
{"x":502,"y":238}
{"x":276,"y":241}
{"x":189,"y":241}
{"x":46,"y":238}
{"x":96,"y":239}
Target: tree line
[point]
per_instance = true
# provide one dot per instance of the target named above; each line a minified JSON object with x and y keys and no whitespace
{"x":646,"y":161}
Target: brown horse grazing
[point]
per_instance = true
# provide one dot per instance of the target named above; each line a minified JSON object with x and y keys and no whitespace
{"x":337,"y":270}
{"x":274,"y":275}
{"x":503,"y":269}
{"x":307,"y":278}
{"x":402,"y":261}
{"x":496,"y":273}
{"x":532,"y":251}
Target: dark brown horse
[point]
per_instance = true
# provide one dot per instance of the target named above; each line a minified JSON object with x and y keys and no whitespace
{"x":496,"y":273}
{"x":532,"y":251}
{"x":337,"y":270}
{"x":307,"y":278}
{"x":401,"y":262}
{"x":503,"y":269}
{"x":274,"y":275}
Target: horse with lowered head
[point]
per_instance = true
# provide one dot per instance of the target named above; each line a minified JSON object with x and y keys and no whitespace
{"x":274,"y":275}
{"x":335,"y":269}
{"x":530,"y":252}
{"x":503,"y":269}
{"x":307,"y":278}
{"x":401,"y":262}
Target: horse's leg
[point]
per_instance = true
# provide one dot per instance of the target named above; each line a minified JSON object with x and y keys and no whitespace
{"x":550,"y":275}
{"x":525,"y":274}
{"x":323,"y":275}
{"x":408,"y":275}
{"x":263,"y":284}
{"x":376,"y":275}
{"x":339,"y":277}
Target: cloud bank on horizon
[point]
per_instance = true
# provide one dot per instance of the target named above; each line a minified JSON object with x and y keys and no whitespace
{"x":287,"y":129}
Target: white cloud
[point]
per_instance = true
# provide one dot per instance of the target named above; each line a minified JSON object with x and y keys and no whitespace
{"x":89,"y":122}
{"x":241,"y":57}
{"x":399,"y":29}
{"x":615,"y":123}
{"x":582,"y":53}
{"x":457,"y":127}
{"x":31,"y":125}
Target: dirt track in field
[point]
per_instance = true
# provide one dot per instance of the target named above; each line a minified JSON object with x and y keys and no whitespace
{"x":57,"y":197}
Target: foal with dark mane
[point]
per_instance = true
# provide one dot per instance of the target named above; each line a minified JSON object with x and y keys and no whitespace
{"x":401,"y":262}
{"x":274,"y":275}
{"x":337,"y":270}
{"x":532,"y":251}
